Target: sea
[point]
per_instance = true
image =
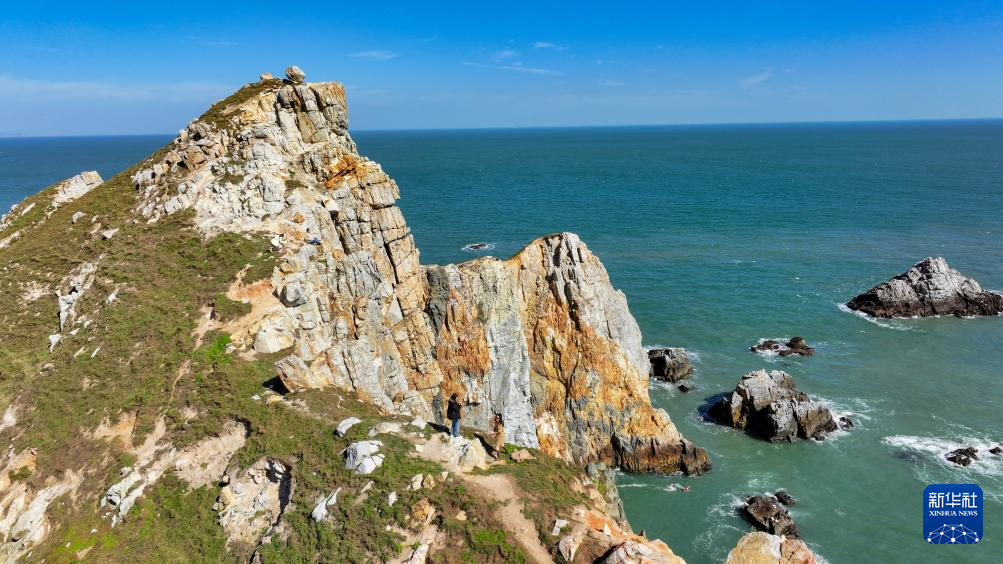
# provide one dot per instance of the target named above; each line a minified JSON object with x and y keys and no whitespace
{"x":721,"y":236}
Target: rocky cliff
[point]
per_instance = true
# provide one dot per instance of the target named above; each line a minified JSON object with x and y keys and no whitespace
{"x":194,"y":327}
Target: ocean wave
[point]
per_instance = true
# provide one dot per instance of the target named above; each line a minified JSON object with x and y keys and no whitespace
{"x":928,"y":453}
{"x":880,"y":322}
{"x":478,"y":247}
{"x":726,"y":527}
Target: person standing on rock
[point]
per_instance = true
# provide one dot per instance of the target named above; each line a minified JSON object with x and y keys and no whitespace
{"x":454,"y":411}
{"x":499,"y":431}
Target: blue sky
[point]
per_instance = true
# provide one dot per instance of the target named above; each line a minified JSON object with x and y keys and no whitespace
{"x":72,"y":68}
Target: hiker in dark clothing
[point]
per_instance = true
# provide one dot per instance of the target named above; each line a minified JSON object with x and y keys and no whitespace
{"x":454,"y":411}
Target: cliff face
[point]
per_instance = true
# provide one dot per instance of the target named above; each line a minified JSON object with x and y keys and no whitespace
{"x":541,"y":338}
{"x":544,"y":339}
{"x":145,"y":313}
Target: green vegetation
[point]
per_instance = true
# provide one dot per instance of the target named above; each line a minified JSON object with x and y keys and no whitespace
{"x":224,"y":309}
{"x":491,"y":542}
{"x":22,"y":473}
{"x":219,"y":117}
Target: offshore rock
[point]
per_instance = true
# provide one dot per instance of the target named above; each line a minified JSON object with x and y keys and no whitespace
{"x":768,"y":404}
{"x":764,"y":548}
{"x":769,"y":515}
{"x":929,"y":288}
{"x":671,"y":365}
{"x":795,"y":345}
{"x":963,"y":456}
{"x":785,"y":498}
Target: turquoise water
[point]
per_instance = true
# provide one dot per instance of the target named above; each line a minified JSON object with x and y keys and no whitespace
{"x":721,"y":236}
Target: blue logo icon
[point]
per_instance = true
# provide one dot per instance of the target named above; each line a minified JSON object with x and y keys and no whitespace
{"x":952,"y":514}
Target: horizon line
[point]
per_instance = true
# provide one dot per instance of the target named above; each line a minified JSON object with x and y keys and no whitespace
{"x":583,"y":126}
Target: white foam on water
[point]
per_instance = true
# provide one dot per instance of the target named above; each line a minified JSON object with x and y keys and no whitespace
{"x":933,"y":451}
{"x":880,"y":322}
{"x":768,"y":354}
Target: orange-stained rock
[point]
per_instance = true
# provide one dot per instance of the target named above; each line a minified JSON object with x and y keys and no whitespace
{"x":764,"y":548}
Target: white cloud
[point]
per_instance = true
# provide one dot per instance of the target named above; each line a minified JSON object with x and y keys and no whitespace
{"x":548,"y":45}
{"x":750,"y":82}
{"x":87,"y":89}
{"x":504,"y":55}
{"x":374,"y":55}
{"x":515,"y":66}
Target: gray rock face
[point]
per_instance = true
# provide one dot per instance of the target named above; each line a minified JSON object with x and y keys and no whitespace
{"x":768,"y":514}
{"x":929,"y":288}
{"x":768,"y":404}
{"x":295,"y":74}
{"x":671,"y":365}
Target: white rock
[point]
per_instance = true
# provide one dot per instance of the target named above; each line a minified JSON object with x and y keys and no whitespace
{"x":391,"y":499}
{"x":558,"y":525}
{"x":53,"y":339}
{"x":346,"y":424}
{"x":418,"y":422}
{"x":363,"y":457}
{"x":109,"y":233}
{"x":319,"y":512}
{"x":72,"y":188}
{"x":385,"y":428}
{"x":77,"y":216}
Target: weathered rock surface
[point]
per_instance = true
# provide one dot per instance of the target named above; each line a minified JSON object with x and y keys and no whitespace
{"x":541,"y":338}
{"x":963,"y":456}
{"x":458,"y":452}
{"x":767,"y":513}
{"x":769,"y":405}
{"x":24,"y":521}
{"x":929,"y":288}
{"x":544,"y":339}
{"x":671,"y":365}
{"x":253,"y":501}
{"x":76,"y":186}
{"x":364,"y":456}
{"x":764,"y":548}
{"x":793,"y":346}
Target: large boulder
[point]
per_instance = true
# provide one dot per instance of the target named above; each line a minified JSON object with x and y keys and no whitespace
{"x":364,"y":456}
{"x":768,"y":404}
{"x":672,"y":364}
{"x":768,"y":514}
{"x":764,"y":548}
{"x":929,"y":288}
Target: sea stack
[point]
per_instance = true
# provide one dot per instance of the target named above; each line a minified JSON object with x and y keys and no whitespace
{"x":768,"y":404}
{"x":928,"y":289}
{"x":671,"y":365}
